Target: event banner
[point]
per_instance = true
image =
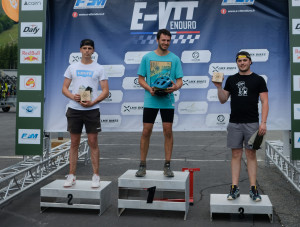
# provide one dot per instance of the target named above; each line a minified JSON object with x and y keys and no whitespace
{"x":206,"y":35}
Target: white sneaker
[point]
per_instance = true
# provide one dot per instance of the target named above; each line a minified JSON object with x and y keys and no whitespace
{"x":95,"y":181}
{"x":71,"y":180}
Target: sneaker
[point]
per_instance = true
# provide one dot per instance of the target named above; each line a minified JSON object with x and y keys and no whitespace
{"x":167,"y":170}
{"x":234,"y":192}
{"x":141,"y":172}
{"x":95,"y":181}
{"x":70,"y":181}
{"x":254,"y":194}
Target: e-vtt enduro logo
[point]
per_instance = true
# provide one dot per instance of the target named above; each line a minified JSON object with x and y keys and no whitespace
{"x":181,"y":23}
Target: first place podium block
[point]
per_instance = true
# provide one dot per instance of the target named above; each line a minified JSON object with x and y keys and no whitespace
{"x":168,"y":193}
{"x":81,"y":195}
{"x":242,"y":205}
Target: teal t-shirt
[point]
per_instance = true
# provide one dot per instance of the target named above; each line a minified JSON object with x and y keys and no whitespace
{"x":153,"y":66}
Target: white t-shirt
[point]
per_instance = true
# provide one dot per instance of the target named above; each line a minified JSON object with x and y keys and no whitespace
{"x":84,"y":76}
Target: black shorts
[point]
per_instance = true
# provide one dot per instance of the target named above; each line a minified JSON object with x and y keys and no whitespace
{"x":149,"y":115}
{"x":78,"y":118}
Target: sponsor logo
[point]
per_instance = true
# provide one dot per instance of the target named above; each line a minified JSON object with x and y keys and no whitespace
{"x":134,"y":57}
{"x":296,"y":26}
{"x":30,"y":82}
{"x":295,"y":2}
{"x":115,"y":96}
{"x":226,"y":68}
{"x":74,"y":14}
{"x":258,"y":55}
{"x":296,"y":139}
{"x":192,"y":107}
{"x":32,"y":5}
{"x":29,"y":136}
{"x":76,"y":57}
{"x":217,"y":120}
{"x":30,"y":56}
{"x":84,"y":73}
{"x":296,"y":82}
{"x":296,"y":111}
{"x":212,"y":95}
{"x":223,"y":11}
{"x":190,"y":82}
{"x":131,"y":83}
{"x":111,"y":121}
{"x":296,"y":54}
{"x":181,"y":23}
{"x":31,"y":29}
{"x":89,"y":4}
{"x":238,"y":2}
{"x":132,"y":108}
{"x":29,"y":109}
{"x":196,"y":56}
{"x":114,"y":70}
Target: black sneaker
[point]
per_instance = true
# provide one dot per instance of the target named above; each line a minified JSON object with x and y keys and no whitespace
{"x":141,"y":172}
{"x":167,"y":170}
{"x":234,"y":192}
{"x":254,"y":195}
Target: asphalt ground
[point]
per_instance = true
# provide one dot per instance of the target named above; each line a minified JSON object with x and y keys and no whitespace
{"x":120,"y":152}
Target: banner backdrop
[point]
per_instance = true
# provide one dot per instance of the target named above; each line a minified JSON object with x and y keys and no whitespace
{"x":206,"y":35}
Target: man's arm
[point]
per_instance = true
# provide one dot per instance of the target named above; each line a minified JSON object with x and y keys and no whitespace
{"x":223,"y":95}
{"x":264,"y":112}
{"x":66,"y":91}
{"x":144,"y":85}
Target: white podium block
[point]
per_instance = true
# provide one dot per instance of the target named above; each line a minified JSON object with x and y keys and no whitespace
{"x":171,"y":193}
{"x":242,"y":205}
{"x":81,"y":195}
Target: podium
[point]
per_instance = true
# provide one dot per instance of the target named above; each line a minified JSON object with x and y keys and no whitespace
{"x":81,"y":195}
{"x":154,"y":191}
{"x":242,"y":205}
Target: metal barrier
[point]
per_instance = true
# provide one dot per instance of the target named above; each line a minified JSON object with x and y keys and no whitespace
{"x":290,"y":169}
{"x":33,"y":169}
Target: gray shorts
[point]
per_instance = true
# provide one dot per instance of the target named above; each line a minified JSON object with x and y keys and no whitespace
{"x":239,"y":133}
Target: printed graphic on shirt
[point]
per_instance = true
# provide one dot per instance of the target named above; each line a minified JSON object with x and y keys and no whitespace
{"x":84,"y":73}
{"x":159,"y":69}
{"x":243,"y":91}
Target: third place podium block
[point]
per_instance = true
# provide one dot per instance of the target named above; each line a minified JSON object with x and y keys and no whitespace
{"x":154,"y":191}
{"x":242,"y":205}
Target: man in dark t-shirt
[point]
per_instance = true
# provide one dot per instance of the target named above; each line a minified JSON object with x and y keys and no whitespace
{"x":244,"y":88}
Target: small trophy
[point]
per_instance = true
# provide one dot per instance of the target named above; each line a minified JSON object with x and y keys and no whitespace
{"x":85,"y":95}
{"x":217,"y":77}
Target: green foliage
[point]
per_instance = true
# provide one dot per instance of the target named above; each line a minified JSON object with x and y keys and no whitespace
{"x":9,"y":36}
{"x":6,"y":22}
{"x":9,"y":56}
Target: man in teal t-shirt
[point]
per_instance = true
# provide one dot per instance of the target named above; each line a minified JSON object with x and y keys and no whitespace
{"x":159,"y":63}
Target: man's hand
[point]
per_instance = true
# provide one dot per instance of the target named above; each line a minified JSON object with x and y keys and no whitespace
{"x":152,"y":91}
{"x":262,"y":129}
{"x":173,"y":88}
{"x":77,"y":98}
{"x":86,"y":103}
{"x":218,"y":84}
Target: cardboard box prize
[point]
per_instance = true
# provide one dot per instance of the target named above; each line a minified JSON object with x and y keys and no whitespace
{"x":217,"y":77}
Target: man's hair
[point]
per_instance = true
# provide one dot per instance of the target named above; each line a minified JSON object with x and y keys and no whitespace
{"x":87,"y":42}
{"x":163,"y":31}
{"x":243,"y":54}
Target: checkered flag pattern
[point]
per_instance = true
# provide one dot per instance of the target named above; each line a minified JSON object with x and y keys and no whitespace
{"x":176,"y":39}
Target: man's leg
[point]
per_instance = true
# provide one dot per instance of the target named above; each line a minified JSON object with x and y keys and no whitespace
{"x":168,"y":134}
{"x":73,"y":156}
{"x":251,"y":166}
{"x":95,"y":154}
{"x":236,"y":165}
{"x":145,"y":140}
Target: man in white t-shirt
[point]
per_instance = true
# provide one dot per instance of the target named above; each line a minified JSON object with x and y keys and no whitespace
{"x":83,"y":107}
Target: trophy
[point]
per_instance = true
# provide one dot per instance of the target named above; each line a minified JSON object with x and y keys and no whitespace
{"x":85,"y":95}
{"x":217,"y":77}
